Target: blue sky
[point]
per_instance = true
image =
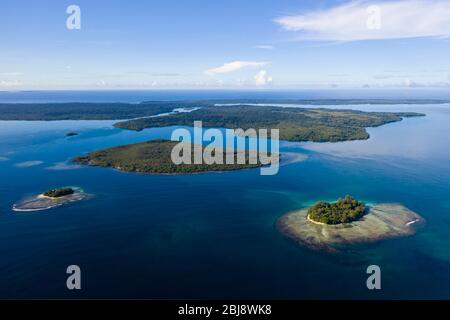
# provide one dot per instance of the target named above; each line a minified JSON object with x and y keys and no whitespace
{"x":224,"y":44}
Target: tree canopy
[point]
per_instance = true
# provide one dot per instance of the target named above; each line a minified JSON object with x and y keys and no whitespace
{"x":57,"y":193}
{"x":343,"y":211}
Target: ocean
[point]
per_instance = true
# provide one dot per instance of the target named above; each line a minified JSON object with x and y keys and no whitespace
{"x":214,"y":235}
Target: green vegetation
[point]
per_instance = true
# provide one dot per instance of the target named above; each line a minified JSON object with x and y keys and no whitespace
{"x":86,"y":111}
{"x":295,"y":124}
{"x":119,"y":111}
{"x":330,"y":102}
{"x":151,"y":157}
{"x":343,"y":211}
{"x":58,"y":193}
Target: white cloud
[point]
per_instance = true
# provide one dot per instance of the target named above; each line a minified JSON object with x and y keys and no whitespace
{"x":10,"y":84}
{"x":11,"y":74}
{"x":262,"y":78}
{"x":436,"y":84}
{"x":264,"y":47}
{"x":235,"y":66}
{"x":350,"y":22}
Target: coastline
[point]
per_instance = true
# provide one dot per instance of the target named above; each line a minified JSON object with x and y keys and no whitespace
{"x":42,"y":196}
{"x":317,"y":222}
{"x":293,"y":157}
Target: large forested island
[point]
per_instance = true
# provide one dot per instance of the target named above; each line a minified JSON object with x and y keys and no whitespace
{"x":85,"y":111}
{"x":153,"y":157}
{"x":117,"y":111}
{"x":295,"y":124}
{"x":331,"y":227}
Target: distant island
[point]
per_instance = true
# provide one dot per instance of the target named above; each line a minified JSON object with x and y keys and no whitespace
{"x":153,"y":157}
{"x":71,"y":134}
{"x":343,"y":211}
{"x":332,"y":227}
{"x":295,"y":124}
{"x":82,"y":111}
{"x":51,"y":199}
{"x":58,"y":193}
{"x":116,"y":111}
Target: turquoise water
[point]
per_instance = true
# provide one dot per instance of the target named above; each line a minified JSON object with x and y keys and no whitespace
{"x":213,"y":235}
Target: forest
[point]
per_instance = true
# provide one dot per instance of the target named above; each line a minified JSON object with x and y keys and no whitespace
{"x":152,"y":157}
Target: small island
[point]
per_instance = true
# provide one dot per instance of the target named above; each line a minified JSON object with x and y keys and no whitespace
{"x":71,"y":134}
{"x":50,"y":199}
{"x":333,"y":226}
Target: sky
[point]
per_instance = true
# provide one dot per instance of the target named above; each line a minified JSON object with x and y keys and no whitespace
{"x":201,"y":44}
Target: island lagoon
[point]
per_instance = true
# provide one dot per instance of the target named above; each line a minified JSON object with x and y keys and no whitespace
{"x":214,"y":235}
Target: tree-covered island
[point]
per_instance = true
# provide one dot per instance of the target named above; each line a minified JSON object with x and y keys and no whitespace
{"x":58,"y":193}
{"x":332,"y":227}
{"x":50,"y":199}
{"x":154,"y":157}
{"x":115,"y":111}
{"x":295,"y":124}
{"x":343,"y":211}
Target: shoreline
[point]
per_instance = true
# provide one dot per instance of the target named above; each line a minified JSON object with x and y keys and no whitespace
{"x":34,"y":210}
{"x":295,"y":158}
{"x":42,"y":196}
{"x":157,"y":151}
{"x":317,"y":222}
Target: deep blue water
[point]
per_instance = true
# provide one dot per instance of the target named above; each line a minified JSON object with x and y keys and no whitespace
{"x":136,"y":96}
{"x":214,"y":235}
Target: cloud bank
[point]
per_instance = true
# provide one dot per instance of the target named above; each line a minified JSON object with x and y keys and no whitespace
{"x":235,"y":66}
{"x":397,"y":19}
